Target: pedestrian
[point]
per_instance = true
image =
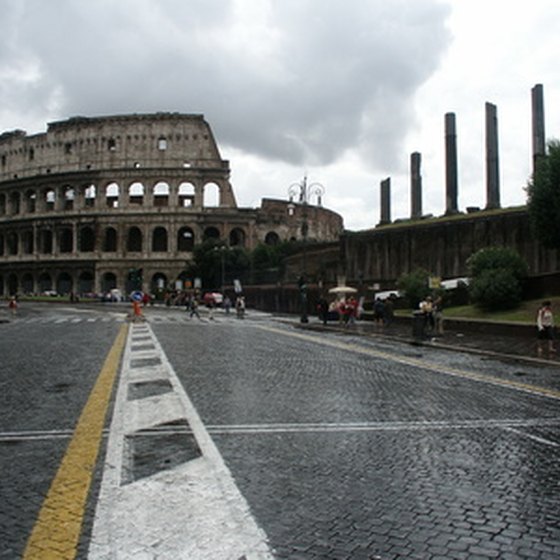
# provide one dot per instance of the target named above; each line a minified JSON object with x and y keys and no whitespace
{"x":389,"y":312}
{"x":227,"y":304}
{"x":193,"y":307}
{"x":545,"y":328}
{"x":437,"y":310}
{"x":427,"y":308}
{"x":240,"y":307}
{"x":323,"y":309}
{"x":379,"y":312}
{"x":13,"y":305}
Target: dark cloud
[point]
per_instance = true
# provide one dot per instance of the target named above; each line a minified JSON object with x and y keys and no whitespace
{"x":294,"y":80}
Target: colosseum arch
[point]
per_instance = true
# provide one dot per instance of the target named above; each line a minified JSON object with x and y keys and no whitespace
{"x":15,"y":200}
{"x":2,"y":204}
{"x":134,"y":240}
{"x":1,"y":244}
{"x":161,"y":194}
{"x":272,"y":238}
{"x":159,"y":240}
{"x":237,"y":237}
{"x":45,"y":282}
{"x":211,"y":195}
{"x":108,"y":282}
{"x":68,"y":197}
{"x":30,"y":201}
{"x":112,"y":192}
{"x":86,"y":240}
{"x":185,"y":239}
{"x":12,"y":243}
{"x":64,"y":283}
{"x":90,"y":192}
{"x":187,"y":193}
{"x":65,"y":240}
{"x":136,"y":193}
{"x":85,"y":282}
{"x":211,"y":232}
{"x":27,"y":283}
{"x":46,"y":243}
{"x":110,"y":240}
{"x":159,"y":281}
{"x":28,"y":244}
{"x":13,"y":284}
{"x":49,"y":199}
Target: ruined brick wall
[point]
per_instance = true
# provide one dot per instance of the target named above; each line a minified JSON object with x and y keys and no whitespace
{"x":441,"y":246}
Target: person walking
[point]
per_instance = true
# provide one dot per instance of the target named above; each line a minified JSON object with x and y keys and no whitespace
{"x":545,"y":328}
{"x":13,"y":305}
{"x":193,"y":307}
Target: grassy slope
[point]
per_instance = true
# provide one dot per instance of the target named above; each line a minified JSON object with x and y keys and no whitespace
{"x":525,"y":313}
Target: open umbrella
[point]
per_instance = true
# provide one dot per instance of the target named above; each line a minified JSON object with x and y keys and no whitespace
{"x":342,"y":290}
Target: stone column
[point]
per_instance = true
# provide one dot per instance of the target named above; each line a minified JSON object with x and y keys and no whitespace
{"x":415,"y":185}
{"x":539,"y":141}
{"x":451,"y":172}
{"x":492,"y":160}
{"x":385,"y":201}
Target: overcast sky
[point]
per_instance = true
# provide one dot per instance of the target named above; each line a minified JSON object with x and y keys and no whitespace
{"x":340,"y":90}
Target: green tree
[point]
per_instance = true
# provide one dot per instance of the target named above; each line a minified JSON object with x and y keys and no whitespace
{"x":415,"y":286}
{"x":544,"y":198}
{"x":496,"y":278}
{"x":207,"y":264}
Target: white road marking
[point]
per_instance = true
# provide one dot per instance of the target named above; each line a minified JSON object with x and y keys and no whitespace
{"x":194,"y":511}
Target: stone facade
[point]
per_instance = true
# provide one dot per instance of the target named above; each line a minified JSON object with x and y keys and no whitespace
{"x":94,"y":198}
{"x":442,"y":246}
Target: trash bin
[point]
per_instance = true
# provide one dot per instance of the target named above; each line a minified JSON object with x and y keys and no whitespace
{"x":418,"y":325}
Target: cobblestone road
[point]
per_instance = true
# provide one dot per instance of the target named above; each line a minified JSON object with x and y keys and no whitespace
{"x":343,"y":447}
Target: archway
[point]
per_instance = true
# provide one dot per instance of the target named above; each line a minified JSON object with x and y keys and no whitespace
{"x":211,"y":233}
{"x":45,"y":282}
{"x":27,"y":242}
{"x":65,"y":240}
{"x":87,"y":240}
{"x":185,"y":240}
{"x":134,"y":240}
{"x":211,"y":195}
{"x":272,"y":238}
{"x":161,"y":194}
{"x":64,"y":283}
{"x":159,"y":240}
{"x":46,"y":242}
{"x":13,"y":284}
{"x":136,"y":194}
{"x":110,"y":240}
{"x":30,"y":201}
{"x":112,"y":195}
{"x":85,"y":282}
{"x":186,"y":195}
{"x":13,"y":243}
{"x":237,"y":238}
{"x":27,"y":284}
{"x":159,"y":282}
{"x":68,"y":197}
{"x":108,"y":282}
{"x":89,"y":196}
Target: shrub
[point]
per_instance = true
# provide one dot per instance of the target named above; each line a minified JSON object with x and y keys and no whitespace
{"x":497,"y":274}
{"x":415,"y":286}
{"x":495,"y":289}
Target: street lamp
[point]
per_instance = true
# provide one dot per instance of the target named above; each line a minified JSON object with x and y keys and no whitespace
{"x":304,"y":192}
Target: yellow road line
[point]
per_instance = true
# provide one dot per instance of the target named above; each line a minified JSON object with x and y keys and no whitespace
{"x":415,"y":362}
{"x":57,"y":530}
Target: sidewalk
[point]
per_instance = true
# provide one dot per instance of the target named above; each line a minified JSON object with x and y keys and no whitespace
{"x":502,"y":340}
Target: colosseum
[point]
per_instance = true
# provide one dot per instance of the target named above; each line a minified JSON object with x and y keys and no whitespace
{"x":91,"y":200}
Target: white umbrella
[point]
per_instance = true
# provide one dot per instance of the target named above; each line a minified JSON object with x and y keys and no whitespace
{"x":342,"y":290}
